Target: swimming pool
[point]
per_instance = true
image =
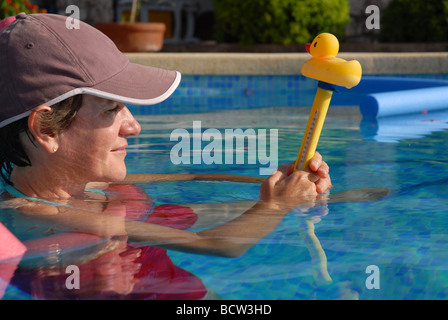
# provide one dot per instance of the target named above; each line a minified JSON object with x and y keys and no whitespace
{"x":403,"y":235}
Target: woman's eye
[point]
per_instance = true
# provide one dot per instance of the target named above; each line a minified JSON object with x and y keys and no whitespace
{"x":115,"y":110}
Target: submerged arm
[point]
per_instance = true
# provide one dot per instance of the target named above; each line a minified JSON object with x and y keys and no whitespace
{"x":231,"y":239}
{"x":148,"y":178}
{"x":278,"y":194}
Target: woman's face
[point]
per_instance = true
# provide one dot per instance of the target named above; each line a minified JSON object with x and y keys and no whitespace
{"x":94,"y":146}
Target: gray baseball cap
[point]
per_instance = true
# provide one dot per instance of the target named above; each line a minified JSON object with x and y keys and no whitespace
{"x":44,"y":62}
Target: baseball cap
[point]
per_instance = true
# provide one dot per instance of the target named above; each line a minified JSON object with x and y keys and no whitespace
{"x":42,"y":61}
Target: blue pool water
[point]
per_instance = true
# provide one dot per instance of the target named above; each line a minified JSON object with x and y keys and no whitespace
{"x":403,"y":235}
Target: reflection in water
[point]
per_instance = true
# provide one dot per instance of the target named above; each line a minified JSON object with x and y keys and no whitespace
{"x":108,"y":268}
{"x":111,"y":270}
{"x":116,"y":269}
{"x":401,"y":127}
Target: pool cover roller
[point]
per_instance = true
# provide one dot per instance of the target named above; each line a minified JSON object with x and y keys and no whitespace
{"x":401,"y":102}
{"x":331,"y":72}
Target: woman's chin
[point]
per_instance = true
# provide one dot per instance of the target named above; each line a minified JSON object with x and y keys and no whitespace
{"x":117,"y":175}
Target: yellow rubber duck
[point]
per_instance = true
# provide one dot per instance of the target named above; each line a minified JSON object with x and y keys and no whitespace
{"x":331,"y":72}
{"x":325,"y":66}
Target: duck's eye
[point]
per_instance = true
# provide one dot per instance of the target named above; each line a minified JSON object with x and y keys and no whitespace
{"x":315,"y":44}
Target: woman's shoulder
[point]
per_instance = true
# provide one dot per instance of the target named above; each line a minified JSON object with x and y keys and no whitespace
{"x":25,"y":206}
{"x":9,"y":202}
{"x":118,"y":191}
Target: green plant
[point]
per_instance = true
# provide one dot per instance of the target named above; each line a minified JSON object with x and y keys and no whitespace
{"x":13,"y":7}
{"x":415,"y":21}
{"x":279,"y":21}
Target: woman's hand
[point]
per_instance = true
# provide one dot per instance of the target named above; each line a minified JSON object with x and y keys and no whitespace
{"x":285,"y":189}
{"x":320,"y":168}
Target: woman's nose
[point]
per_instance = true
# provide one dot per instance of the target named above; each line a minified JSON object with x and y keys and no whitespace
{"x":130,"y":126}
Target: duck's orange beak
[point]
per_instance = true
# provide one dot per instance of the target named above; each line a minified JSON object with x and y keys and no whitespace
{"x":307,"y":46}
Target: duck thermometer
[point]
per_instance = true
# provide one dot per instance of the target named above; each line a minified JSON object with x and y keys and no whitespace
{"x":330,"y":71}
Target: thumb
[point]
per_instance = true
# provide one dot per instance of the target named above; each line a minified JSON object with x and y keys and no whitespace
{"x":275,"y":177}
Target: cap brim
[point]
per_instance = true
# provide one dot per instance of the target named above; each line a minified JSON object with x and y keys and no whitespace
{"x":136,"y":84}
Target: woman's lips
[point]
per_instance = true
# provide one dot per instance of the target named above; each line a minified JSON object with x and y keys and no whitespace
{"x":120,"y":150}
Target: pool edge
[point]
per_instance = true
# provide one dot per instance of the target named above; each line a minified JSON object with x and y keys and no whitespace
{"x":290,"y":63}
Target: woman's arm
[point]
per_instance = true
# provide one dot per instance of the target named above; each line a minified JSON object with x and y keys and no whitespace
{"x":148,"y":178}
{"x":279,"y":193}
{"x":231,"y":239}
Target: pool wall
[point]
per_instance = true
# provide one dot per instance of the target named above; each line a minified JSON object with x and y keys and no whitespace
{"x":222,"y":81}
{"x":290,"y":63}
{"x":231,"y":81}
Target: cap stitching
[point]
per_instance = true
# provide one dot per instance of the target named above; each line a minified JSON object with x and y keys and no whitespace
{"x":113,"y":75}
{"x":85,"y":71}
{"x":67,"y":48}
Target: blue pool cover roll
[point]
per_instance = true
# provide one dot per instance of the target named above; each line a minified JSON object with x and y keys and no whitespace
{"x":386,"y":104}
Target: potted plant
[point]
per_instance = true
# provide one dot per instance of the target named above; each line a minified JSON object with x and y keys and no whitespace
{"x":134,"y":36}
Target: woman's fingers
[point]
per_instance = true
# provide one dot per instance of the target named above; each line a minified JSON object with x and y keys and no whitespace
{"x":316,"y":162}
{"x":323,"y":185}
{"x":316,"y":165}
{"x":321,"y":168}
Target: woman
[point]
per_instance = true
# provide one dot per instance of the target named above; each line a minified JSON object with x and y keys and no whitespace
{"x":84,"y":66}
{"x":64,"y":127}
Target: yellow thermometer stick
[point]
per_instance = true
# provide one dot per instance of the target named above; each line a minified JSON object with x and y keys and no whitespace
{"x":330,"y":71}
{"x":314,"y":128}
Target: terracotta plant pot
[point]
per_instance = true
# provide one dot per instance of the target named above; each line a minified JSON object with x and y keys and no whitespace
{"x":135,"y":37}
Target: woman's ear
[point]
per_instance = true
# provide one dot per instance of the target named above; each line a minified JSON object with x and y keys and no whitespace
{"x":47,"y":141}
